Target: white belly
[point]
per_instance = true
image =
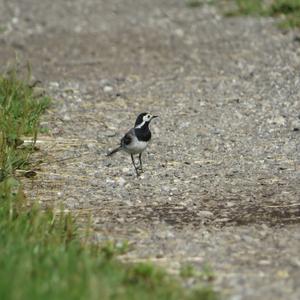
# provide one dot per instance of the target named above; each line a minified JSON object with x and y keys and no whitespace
{"x":136,"y":146}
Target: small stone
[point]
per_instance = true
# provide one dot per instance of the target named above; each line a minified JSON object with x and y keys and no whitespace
{"x":280,"y":120}
{"x":108,"y":89}
{"x":205,"y":214}
{"x":165,"y":188}
{"x":104,"y":82}
{"x":223,"y":220}
{"x":97,"y":174}
{"x":121,"y":181}
{"x":66,"y":117}
{"x":179,"y":32}
{"x":110,"y":182}
{"x":15,"y":20}
{"x":126,"y":170}
{"x":282,"y":274}
{"x":121,"y":220}
{"x":54,"y":84}
{"x":109,"y":133}
{"x":38,"y":92}
{"x":91,"y":146}
{"x":264,"y":262}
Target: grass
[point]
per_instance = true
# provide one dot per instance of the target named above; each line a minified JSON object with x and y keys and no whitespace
{"x":246,"y":7}
{"x":197,"y":3}
{"x":19,"y":116}
{"x":42,"y":254}
{"x":206,"y":274}
{"x":42,"y":257}
{"x":288,"y":10}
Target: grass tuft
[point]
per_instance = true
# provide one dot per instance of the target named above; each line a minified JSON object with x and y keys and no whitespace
{"x":285,"y":7}
{"x":206,"y":274}
{"x":245,"y":7}
{"x":198,"y":3}
{"x":194,"y":3}
{"x":20,"y":112}
{"x":289,"y":10}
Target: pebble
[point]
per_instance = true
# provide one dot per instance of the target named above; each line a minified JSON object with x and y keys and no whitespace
{"x":121,"y":181}
{"x":110,"y":182}
{"x":205,"y":213}
{"x":91,"y":146}
{"x":66,"y":117}
{"x":179,"y":32}
{"x":38,"y":92}
{"x":60,"y":194}
{"x":277,"y":120}
{"x":125,"y":170}
{"x":54,"y":84}
{"x":104,"y":82}
{"x":108,"y":89}
{"x":94,"y":183}
{"x":109,"y":133}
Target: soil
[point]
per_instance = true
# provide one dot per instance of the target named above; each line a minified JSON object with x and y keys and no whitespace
{"x":222,"y":176}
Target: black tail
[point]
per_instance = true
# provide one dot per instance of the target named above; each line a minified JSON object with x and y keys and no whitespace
{"x":113,"y":151}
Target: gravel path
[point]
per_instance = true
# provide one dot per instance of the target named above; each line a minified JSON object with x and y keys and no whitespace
{"x":222,"y":175}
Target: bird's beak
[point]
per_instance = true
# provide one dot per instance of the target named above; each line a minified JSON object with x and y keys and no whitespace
{"x":153,"y":117}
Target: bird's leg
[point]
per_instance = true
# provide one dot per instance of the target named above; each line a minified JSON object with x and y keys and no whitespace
{"x":141,"y":164}
{"x":136,"y":170}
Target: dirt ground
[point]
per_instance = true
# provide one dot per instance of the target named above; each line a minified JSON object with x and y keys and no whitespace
{"x":222,"y":175}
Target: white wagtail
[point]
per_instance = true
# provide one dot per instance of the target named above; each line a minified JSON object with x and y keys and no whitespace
{"x":136,"y":139}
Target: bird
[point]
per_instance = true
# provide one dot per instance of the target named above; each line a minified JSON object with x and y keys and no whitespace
{"x":136,"y":140}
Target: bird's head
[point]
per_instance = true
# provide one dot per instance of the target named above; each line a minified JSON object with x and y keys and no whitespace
{"x":143,"y":118}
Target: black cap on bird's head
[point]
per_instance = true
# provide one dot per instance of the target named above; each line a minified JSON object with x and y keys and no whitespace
{"x":144,"y":118}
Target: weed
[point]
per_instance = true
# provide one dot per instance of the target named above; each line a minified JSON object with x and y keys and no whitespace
{"x":206,"y":274}
{"x":112,"y":249}
{"x":289,"y":10}
{"x":198,"y":3}
{"x":19,"y":115}
{"x":187,"y":271}
{"x":194,"y":3}
{"x":286,"y":7}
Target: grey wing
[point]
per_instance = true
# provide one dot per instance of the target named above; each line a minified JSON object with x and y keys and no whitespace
{"x":127,"y":139}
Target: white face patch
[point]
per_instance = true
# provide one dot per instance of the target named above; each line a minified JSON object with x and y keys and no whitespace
{"x":146,"y":118}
